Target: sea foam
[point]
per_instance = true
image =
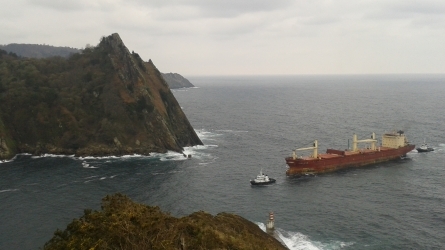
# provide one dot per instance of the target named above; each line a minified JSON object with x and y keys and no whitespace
{"x":299,"y":241}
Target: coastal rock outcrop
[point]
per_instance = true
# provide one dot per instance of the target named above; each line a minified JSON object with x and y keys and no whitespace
{"x":124,"y":224}
{"x":103,"y":101}
{"x":177,"y":81}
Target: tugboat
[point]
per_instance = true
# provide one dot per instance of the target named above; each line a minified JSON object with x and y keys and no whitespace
{"x":262,"y":179}
{"x":424,"y":148}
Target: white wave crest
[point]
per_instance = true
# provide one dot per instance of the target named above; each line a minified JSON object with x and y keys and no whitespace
{"x":13,"y":158}
{"x":232,"y":131}
{"x":51,"y":155}
{"x":206,"y":135}
{"x":90,"y":177}
{"x":86,"y":165}
{"x":9,"y":190}
{"x":197,"y":151}
{"x":110,"y":157}
{"x":299,"y":241}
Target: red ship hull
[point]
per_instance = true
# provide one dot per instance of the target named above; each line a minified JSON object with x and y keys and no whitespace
{"x":336,"y":159}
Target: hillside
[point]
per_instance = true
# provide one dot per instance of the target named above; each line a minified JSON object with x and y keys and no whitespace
{"x":38,"y":50}
{"x":124,"y":224}
{"x":104,"y":101}
{"x":176,"y":81}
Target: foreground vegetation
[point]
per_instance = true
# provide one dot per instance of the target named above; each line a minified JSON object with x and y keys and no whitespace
{"x":124,"y":224}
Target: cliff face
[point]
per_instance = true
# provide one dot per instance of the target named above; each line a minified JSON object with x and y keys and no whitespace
{"x":176,"y":81}
{"x":105,"y":101}
{"x":124,"y":224}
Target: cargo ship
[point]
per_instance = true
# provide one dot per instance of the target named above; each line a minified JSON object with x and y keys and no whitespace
{"x":394,"y":145}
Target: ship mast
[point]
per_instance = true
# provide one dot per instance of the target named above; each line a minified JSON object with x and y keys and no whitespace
{"x":314,"y":154}
{"x":355,"y":142}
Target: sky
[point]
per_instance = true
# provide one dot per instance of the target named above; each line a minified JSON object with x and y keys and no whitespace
{"x":251,"y":37}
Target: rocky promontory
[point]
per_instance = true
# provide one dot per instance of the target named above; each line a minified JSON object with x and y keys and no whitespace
{"x":124,"y":224}
{"x":103,"y":101}
{"x":176,"y":81}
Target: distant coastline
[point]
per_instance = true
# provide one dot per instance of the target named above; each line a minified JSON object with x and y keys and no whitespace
{"x":176,"y":81}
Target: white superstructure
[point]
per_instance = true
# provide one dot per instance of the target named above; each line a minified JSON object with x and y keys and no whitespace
{"x":394,"y":140}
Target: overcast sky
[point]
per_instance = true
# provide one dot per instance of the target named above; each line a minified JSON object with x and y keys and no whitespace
{"x":250,"y":37}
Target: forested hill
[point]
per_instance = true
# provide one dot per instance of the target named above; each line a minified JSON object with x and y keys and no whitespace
{"x":103,"y":101}
{"x":174,"y":80}
{"x":38,"y":50}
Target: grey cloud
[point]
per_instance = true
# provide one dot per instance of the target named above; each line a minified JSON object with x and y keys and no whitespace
{"x":75,"y":5}
{"x":190,"y":35}
{"x":217,"y":8}
{"x":405,"y":10}
{"x":419,"y":7}
{"x":68,"y":5}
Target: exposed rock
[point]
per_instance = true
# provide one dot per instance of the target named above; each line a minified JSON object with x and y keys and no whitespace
{"x":176,"y":81}
{"x":98,"y":103}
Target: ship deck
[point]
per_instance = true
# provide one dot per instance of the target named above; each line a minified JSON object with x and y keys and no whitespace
{"x":333,"y":153}
{"x":337,"y":159}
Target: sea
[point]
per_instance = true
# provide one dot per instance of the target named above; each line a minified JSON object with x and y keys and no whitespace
{"x":250,"y":124}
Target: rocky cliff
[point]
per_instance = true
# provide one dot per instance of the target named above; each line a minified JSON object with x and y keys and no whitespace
{"x":104,"y":101}
{"x":176,"y":81}
{"x":124,"y":224}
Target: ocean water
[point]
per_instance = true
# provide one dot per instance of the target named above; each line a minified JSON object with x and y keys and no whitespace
{"x":251,"y":123}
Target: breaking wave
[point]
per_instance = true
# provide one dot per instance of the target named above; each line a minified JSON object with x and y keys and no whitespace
{"x":51,"y":155}
{"x":299,"y":241}
{"x":8,"y":190}
{"x":198,"y":151}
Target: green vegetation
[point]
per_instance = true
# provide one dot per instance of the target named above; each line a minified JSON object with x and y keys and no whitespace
{"x":38,"y":50}
{"x":124,"y":224}
{"x":103,"y":101}
{"x":40,"y":97}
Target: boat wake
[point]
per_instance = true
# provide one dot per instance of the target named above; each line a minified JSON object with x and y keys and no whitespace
{"x":299,"y":241}
{"x":441,"y":147}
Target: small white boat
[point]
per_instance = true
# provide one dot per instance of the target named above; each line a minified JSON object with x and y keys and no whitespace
{"x":262,"y":179}
{"x":424,"y":148}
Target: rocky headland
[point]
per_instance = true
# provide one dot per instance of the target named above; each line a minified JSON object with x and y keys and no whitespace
{"x":124,"y":224}
{"x":102,"y":101}
{"x":177,"y":81}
